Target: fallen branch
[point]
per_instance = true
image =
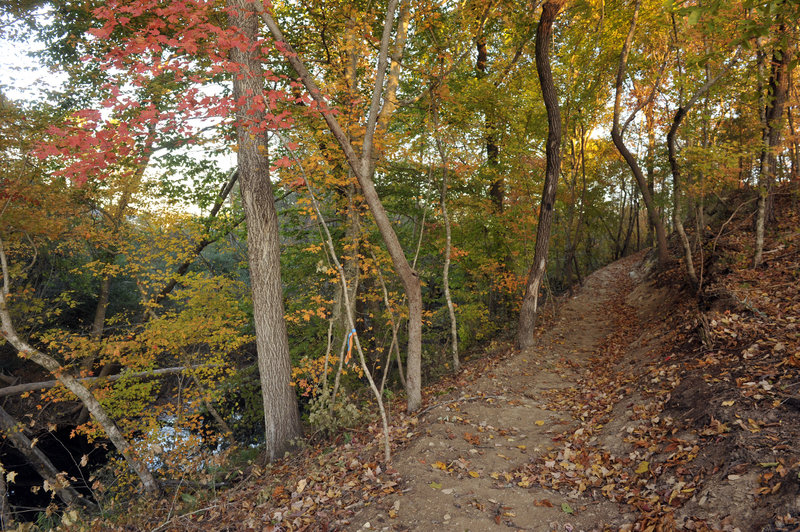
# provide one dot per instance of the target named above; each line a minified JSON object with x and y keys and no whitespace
{"x":44,"y":385}
{"x":461,"y":400}
{"x":165,"y":524}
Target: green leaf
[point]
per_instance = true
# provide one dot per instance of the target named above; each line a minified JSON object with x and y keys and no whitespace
{"x":694,"y":16}
{"x":436,"y":485}
{"x":191,"y":499}
{"x":566,"y":508}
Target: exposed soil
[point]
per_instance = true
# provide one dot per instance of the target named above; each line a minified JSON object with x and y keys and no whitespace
{"x":457,"y":474}
{"x":645,"y":406}
{"x":616,"y":420}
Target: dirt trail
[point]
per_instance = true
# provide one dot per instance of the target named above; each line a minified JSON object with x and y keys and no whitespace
{"x":456,"y":470}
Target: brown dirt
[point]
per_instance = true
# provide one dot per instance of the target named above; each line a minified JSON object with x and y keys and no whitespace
{"x":458,"y":472}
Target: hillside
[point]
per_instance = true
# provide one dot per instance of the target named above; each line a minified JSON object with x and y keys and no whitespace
{"x":642,"y":407}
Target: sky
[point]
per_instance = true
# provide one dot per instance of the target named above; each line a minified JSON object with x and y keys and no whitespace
{"x":22,"y":76}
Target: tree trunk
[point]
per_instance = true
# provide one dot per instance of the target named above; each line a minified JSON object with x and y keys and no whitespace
{"x":778,"y":89}
{"x":527,"y":317}
{"x":618,"y":243}
{"x":497,"y":188}
{"x":43,"y":385}
{"x":281,"y":418}
{"x":650,"y":166}
{"x":680,"y":114}
{"x":447,"y":243}
{"x":41,"y":463}
{"x":676,"y":195}
{"x":6,"y":517}
{"x":616,"y":135}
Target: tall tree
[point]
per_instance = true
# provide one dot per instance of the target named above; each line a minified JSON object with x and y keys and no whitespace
{"x":544,"y":34}
{"x":617,"y":133}
{"x":281,"y":418}
{"x":780,"y":72}
{"x":364,"y":169}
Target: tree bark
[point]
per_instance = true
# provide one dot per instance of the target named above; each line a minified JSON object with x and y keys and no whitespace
{"x":281,"y":417}
{"x":616,"y":135}
{"x":497,"y":188}
{"x":544,"y":32}
{"x":364,"y":169}
{"x":41,"y":463}
{"x":6,"y":517}
{"x":778,"y":89}
{"x":447,"y":241}
{"x":680,"y":114}
{"x":677,"y":219}
{"x":650,"y":166}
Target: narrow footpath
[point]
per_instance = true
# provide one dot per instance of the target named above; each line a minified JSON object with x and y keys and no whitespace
{"x":465,"y":469}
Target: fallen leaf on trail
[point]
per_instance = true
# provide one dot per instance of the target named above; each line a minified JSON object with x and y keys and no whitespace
{"x":439,"y":465}
{"x":728,"y":403}
{"x":521,"y":447}
{"x":566,"y":508}
{"x":474,"y":474}
{"x":544,"y":503}
{"x":644,"y":467}
{"x":436,"y":485}
{"x":540,"y":422}
{"x":474,"y":439}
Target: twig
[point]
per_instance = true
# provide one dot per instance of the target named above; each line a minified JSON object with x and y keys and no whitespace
{"x":348,"y":307}
{"x":164,"y":524}
{"x":461,"y":400}
{"x":714,"y":245}
{"x":34,"y":386}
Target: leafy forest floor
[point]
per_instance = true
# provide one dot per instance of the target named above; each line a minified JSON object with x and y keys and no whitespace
{"x":643,"y":406}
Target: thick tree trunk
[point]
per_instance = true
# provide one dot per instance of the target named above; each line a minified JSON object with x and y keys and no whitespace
{"x":544,"y":32}
{"x":616,"y":135}
{"x":364,"y":170}
{"x":41,"y":463}
{"x":281,"y":418}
